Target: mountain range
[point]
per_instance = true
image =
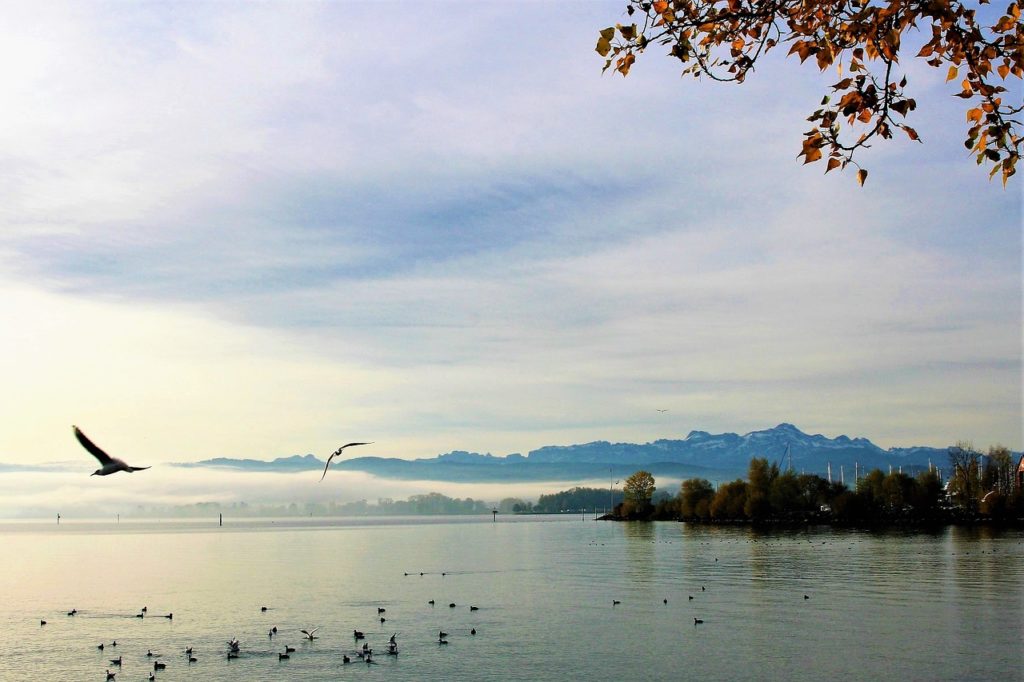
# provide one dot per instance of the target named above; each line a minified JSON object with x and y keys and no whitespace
{"x":717,"y":457}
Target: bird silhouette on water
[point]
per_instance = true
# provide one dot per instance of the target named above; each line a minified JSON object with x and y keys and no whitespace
{"x":108,"y":465}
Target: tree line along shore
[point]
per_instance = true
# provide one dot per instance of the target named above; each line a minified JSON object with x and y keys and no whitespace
{"x":981,"y":488}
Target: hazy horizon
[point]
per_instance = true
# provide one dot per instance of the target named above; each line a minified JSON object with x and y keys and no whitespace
{"x":73,"y":494}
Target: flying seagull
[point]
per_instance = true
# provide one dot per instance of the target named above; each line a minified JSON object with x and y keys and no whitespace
{"x":110,"y":465}
{"x":338,"y":452}
{"x":309,"y":634}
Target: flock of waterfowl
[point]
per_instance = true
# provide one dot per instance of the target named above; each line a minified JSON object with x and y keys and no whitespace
{"x":234,"y":649}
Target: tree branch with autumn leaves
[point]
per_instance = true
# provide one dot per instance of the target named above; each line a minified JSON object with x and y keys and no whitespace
{"x":723,"y":39}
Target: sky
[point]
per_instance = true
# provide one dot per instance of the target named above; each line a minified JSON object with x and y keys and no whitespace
{"x":266,"y":229}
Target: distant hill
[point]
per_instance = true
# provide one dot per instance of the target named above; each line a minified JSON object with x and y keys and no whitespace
{"x":714,"y":456}
{"x":293,"y":463}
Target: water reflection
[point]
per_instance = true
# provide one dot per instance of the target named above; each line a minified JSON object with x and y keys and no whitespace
{"x":880,"y":605}
{"x":640,"y":550}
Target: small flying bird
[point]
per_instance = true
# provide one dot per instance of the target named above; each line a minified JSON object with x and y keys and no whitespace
{"x":338,"y":452}
{"x":662,"y":410}
{"x":309,"y":635}
{"x":108,"y":465}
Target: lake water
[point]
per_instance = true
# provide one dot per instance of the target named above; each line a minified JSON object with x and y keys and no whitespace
{"x":890,"y":605}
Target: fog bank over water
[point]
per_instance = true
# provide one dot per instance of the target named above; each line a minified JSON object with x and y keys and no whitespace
{"x":34,"y":494}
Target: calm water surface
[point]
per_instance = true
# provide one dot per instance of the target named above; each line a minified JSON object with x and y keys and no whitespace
{"x":942,"y":606}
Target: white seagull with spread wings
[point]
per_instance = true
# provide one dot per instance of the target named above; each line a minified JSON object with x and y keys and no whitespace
{"x":108,"y":465}
{"x":338,"y":452}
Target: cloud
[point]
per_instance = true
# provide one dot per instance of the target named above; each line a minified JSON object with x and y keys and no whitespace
{"x":250,"y":230}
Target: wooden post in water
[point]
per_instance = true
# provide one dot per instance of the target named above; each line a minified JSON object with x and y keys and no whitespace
{"x":494,"y":516}
{"x":58,"y":518}
{"x":220,"y":520}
